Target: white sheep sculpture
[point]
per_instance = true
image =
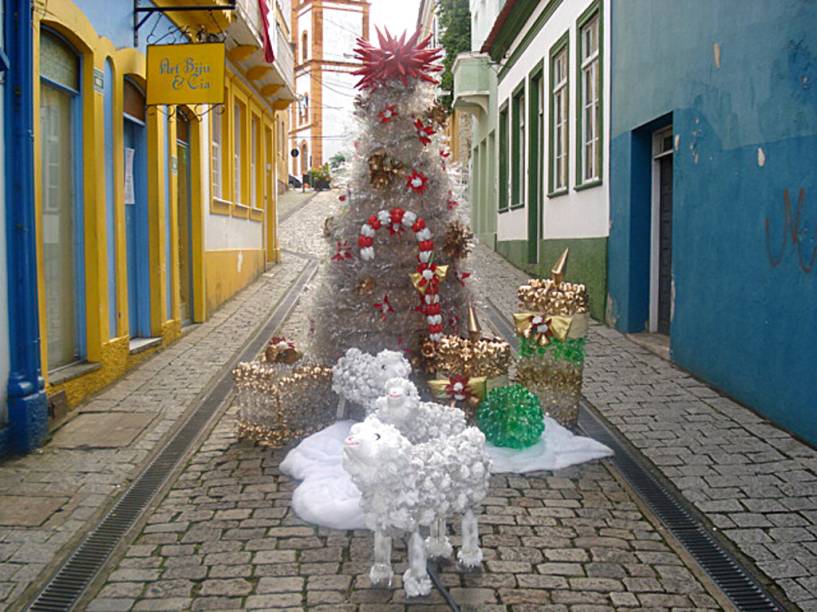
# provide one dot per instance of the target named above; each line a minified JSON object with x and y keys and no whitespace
{"x":420,"y":422}
{"x":359,"y":378}
{"x":405,"y":487}
{"x":400,"y":406}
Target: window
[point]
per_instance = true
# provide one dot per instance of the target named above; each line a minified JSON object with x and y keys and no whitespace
{"x":304,"y":46}
{"x":559,"y":117}
{"x":239,"y":139}
{"x":254,"y":144}
{"x":589,"y":102}
{"x":518,"y":150}
{"x":217,"y":138}
{"x":503,"y":158}
{"x":61,"y":185}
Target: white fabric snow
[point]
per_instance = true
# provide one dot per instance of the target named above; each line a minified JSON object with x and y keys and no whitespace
{"x":327,"y":496}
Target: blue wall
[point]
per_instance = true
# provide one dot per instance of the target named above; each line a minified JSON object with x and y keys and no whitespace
{"x":745,"y":316}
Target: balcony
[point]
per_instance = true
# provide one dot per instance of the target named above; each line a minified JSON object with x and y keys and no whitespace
{"x":474,"y":81}
{"x":245,"y":48}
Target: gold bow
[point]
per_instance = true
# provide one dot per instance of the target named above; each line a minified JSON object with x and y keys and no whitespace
{"x":421,"y":284}
{"x":475,"y":386}
{"x":558,"y":327}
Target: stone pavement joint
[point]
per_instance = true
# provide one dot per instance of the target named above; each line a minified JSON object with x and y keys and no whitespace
{"x":755,"y":484}
{"x":225,"y":535}
{"x":77,"y":480}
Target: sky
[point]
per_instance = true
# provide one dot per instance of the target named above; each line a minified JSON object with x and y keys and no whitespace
{"x":396,"y":15}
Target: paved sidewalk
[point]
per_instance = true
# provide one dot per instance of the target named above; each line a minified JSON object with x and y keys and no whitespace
{"x":226,"y":538}
{"x":289,"y":201}
{"x":753,"y":482}
{"x":51,"y":497}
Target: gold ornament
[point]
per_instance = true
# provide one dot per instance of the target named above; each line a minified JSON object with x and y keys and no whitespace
{"x":542,"y":328}
{"x":442,"y":388}
{"x":557,"y":384}
{"x":278,"y":402}
{"x":422,"y":284}
{"x":457,"y":241}
{"x":473,"y":356}
{"x":437,"y":114}
{"x":281,"y":350}
{"x":366,"y":285}
{"x":383,"y":169}
{"x":554,"y":296}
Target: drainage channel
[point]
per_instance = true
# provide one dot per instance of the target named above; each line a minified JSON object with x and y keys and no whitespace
{"x":720,"y":565}
{"x":71,"y":580}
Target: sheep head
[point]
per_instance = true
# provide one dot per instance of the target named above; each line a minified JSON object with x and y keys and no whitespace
{"x":389,"y":364}
{"x":374,"y":452}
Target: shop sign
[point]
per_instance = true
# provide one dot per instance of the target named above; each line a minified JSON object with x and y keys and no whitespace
{"x":185,"y":74}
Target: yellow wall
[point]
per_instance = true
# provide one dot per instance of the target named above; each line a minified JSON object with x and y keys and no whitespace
{"x":229,"y":271}
{"x":217,"y":275}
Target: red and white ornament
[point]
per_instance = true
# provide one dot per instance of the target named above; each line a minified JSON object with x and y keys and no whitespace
{"x":417,"y":181}
{"x":388,"y":113}
{"x":424,"y":132}
{"x":430,"y":274}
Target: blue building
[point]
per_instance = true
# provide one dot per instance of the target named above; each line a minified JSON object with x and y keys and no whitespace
{"x":23,"y":402}
{"x":713,"y":193}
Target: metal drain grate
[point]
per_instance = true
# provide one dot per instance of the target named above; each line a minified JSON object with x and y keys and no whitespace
{"x":735,"y":581}
{"x":69,"y":583}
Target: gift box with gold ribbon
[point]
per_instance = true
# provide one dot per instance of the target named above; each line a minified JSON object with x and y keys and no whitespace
{"x":480,"y":360}
{"x":552,"y":332}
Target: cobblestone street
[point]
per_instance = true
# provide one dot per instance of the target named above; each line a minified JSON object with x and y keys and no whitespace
{"x":224,"y":536}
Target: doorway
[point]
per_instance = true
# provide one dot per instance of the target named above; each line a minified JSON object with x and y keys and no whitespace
{"x":184,"y":218}
{"x":62,"y":218}
{"x":136,"y":214}
{"x":661,"y":285}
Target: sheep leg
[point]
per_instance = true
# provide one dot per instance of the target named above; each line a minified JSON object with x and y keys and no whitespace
{"x":381,"y":568}
{"x":416,"y":580}
{"x":437,"y":544}
{"x":470,"y":554}
{"x":341,"y":408}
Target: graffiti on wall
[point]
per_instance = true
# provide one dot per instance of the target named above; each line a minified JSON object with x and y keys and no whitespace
{"x":796,"y":232}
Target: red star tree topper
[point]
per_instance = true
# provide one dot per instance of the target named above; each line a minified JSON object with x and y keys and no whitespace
{"x":396,"y":58}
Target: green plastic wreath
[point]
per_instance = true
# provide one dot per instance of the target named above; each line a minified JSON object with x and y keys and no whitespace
{"x":510,"y":416}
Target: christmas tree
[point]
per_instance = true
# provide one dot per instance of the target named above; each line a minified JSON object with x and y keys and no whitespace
{"x":396,"y":277}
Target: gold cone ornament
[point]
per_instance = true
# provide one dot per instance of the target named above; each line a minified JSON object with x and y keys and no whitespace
{"x":557,"y":273}
{"x":474,"y":330}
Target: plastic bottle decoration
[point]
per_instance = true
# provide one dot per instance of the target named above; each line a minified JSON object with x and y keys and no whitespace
{"x":553,"y":329}
{"x":278,"y":401}
{"x":407,"y":487}
{"x":281,"y":350}
{"x":511,"y":416}
{"x":464,"y":366}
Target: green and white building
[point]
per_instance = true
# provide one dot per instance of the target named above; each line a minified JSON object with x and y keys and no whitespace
{"x":537,"y":84}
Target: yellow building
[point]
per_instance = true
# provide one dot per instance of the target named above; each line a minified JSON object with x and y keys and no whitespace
{"x":148,"y":217}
